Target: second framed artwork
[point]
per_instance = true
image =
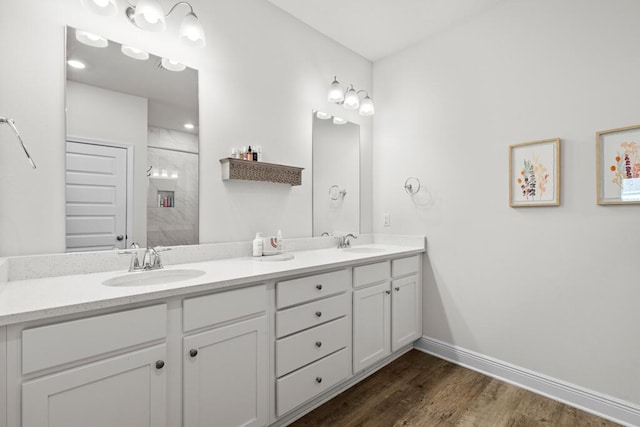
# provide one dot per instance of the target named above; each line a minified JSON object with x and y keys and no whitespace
{"x":534,"y":173}
{"x":618,"y":166}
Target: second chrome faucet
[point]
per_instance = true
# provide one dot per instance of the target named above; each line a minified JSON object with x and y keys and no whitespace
{"x":150,"y":261}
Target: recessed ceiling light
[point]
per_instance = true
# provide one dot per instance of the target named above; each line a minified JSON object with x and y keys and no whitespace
{"x":76,"y":64}
{"x":323,"y":116}
{"x":91,"y":39}
{"x":339,"y":121}
{"x":135,"y":53}
{"x":189,"y":126}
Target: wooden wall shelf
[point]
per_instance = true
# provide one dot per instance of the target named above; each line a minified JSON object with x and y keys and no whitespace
{"x":260,"y":171}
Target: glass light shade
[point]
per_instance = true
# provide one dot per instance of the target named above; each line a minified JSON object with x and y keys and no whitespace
{"x":323,"y":116}
{"x":351,"y":100}
{"x":191,"y":31}
{"x":366,"y":107}
{"x":101,"y":7}
{"x":336,"y":94}
{"x":149,"y":15}
{"x":172,"y":65}
{"x":134,"y":53}
{"x":90,"y":39}
{"x":339,"y":121}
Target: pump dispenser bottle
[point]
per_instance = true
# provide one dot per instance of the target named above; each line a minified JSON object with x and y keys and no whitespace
{"x":257,"y":245}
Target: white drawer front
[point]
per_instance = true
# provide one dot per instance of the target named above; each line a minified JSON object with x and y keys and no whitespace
{"x":303,"y":348}
{"x":48,"y":346}
{"x":291,"y":292}
{"x":370,"y":274}
{"x":312,"y":380}
{"x":225,"y":306}
{"x":402,"y":266}
{"x":314,"y":313}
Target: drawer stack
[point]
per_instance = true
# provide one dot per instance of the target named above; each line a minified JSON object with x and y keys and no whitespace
{"x":312,"y":331}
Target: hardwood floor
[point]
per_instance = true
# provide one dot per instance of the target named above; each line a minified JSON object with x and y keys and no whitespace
{"x":421,"y":390}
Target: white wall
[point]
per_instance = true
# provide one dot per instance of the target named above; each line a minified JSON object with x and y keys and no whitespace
{"x":261,"y":74}
{"x":555,"y":289}
{"x":101,"y":115}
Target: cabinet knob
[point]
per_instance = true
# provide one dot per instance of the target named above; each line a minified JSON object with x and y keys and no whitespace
{"x":160,"y":364}
{"x":193,"y":352}
{"x":318,"y":380}
{"x":318,"y":313}
{"x":319,"y":287}
{"x":397,"y":288}
{"x":318,"y":344}
{"x":387,"y":292}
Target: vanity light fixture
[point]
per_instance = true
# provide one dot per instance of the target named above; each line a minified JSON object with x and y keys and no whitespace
{"x":350,"y":99}
{"x":91,"y":39}
{"x":148,"y":15}
{"x":171,"y":65}
{"x":135,"y":53}
{"x":322,"y":115}
{"x":338,"y":120}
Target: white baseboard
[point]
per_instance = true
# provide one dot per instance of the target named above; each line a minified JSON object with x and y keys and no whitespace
{"x":596,"y":403}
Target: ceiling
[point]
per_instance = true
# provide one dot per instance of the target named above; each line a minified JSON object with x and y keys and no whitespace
{"x":378,"y":28}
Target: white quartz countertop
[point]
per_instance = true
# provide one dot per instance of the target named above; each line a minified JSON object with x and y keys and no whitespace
{"x":41,"y":298}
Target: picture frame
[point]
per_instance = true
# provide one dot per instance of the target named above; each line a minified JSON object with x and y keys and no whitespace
{"x":618,"y":166}
{"x":534,"y":173}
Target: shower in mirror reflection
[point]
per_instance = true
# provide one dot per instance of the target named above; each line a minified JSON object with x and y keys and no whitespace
{"x":148,"y":15}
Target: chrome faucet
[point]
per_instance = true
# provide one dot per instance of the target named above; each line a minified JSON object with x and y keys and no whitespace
{"x":150,"y":261}
{"x":344,"y":242}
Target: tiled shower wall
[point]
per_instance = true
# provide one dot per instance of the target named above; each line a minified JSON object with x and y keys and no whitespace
{"x":173,"y":152}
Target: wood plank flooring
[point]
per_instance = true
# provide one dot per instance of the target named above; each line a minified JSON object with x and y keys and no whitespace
{"x":421,"y":390}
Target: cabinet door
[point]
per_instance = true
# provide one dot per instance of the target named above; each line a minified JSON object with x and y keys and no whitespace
{"x":226,"y":376}
{"x":406,"y":311}
{"x":127,"y":390}
{"x":371,"y":325}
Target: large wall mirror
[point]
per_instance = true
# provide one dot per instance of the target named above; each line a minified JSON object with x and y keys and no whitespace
{"x":132,"y":147}
{"x":336,"y":175}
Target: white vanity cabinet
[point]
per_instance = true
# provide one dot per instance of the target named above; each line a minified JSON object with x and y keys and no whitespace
{"x":312,"y":337}
{"x":387,"y":309}
{"x":225,"y":359}
{"x":100,"y":371}
{"x":3,"y":376}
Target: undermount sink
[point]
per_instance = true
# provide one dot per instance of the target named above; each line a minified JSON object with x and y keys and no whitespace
{"x":363,"y":250}
{"x":155,"y":277}
{"x":279,"y":257}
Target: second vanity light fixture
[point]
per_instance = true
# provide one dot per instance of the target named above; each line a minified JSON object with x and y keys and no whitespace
{"x":350,"y":98}
{"x":148,"y":15}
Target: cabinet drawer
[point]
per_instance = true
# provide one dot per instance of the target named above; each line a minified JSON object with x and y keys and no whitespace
{"x":369,"y":274}
{"x":303,"y":348}
{"x":402,"y":266}
{"x":291,"y":292}
{"x":310,"y":381}
{"x":220,"y":307}
{"x":53,"y":345}
{"x":314,"y":313}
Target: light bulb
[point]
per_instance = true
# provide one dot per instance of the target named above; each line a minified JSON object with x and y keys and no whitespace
{"x":351,"y":100}
{"x":339,"y":121}
{"x":91,"y":39}
{"x":366,"y":107}
{"x":323,"y":116}
{"x":336,"y":94}
{"x":101,"y":7}
{"x":149,"y":15}
{"x":134,"y":53}
{"x":171,"y":65}
{"x":191,"y":31}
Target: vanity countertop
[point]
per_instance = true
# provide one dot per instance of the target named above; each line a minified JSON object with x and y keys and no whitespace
{"x":41,"y":298}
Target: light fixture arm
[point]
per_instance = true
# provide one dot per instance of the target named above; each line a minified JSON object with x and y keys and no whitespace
{"x":15,"y":130}
{"x":178,"y":4}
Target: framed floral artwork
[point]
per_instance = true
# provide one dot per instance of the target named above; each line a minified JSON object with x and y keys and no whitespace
{"x":534,"y":173}
{"x":618,"y":166}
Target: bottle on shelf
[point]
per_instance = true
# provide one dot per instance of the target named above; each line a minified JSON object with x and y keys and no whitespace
{"x":249,"y":154}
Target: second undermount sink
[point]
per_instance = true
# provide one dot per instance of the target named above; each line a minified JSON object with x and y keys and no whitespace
{"x":155,"y":277}
{"x":363,"y":250}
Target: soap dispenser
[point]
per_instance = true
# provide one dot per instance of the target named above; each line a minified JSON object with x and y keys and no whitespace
{"x":257,"y":245}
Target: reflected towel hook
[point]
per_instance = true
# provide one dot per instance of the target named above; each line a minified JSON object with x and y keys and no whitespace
{"x":15,"y":130}
{"x":335,"y":195}
{"x":412,"y":188}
